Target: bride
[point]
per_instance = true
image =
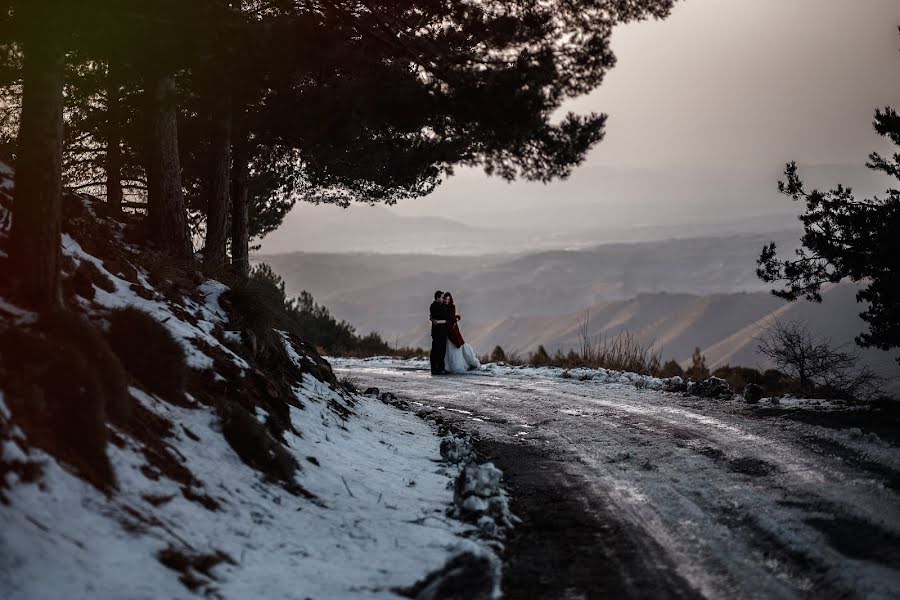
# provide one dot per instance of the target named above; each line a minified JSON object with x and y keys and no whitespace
{"x":460,"y":356}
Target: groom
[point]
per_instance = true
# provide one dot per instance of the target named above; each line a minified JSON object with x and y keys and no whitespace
{"x":439,"y":318}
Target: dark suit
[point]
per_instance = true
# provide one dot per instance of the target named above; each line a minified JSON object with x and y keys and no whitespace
{"x":438,"y":312}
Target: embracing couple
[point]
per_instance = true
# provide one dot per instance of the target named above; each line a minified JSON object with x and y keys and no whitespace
{"x":449,"y":352}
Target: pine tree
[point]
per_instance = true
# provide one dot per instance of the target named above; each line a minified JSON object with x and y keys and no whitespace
{"x":698,"y":370}
{"x":847,"y":237}
{"x":37,"y":209}
{"x":470,"y":84}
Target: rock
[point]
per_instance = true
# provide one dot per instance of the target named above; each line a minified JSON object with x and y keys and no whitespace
{"x":752,"y":393}
{"x":675,"y":384}
{"x":456,"y":449}
{"x":478,"y":480}
{"x":466,"y":576}
{"x":478,"y":494}
{"x":713,"y":387}
{"x":372,"y":391}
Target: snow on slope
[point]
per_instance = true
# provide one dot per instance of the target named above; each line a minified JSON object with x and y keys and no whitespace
{"x":372,"y":515}
{"x":379,"y":524}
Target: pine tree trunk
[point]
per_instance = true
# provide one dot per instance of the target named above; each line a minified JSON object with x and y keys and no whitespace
{"x":168,"y":218}
{"x":240,"y":216}
{"x":113,"y":144}
{"x":218,"y":186}
{"x":37,"y":206}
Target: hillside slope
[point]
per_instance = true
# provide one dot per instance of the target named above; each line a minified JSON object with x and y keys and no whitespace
{"x":195,"y":453}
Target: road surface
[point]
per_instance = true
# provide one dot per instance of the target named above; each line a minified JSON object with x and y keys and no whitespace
{"x":628,"y":492}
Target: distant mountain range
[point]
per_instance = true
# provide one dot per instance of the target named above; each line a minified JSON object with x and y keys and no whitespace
{"x":674,"y":294}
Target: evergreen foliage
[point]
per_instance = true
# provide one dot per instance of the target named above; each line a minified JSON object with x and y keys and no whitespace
{"x":847,"y":238}
{"x":253,"y":105}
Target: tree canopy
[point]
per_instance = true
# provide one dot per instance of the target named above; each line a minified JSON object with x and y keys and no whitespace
{"x":232,"y":110}
{"x":847,"y":238}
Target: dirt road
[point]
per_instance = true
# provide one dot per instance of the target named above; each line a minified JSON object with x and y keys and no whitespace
{"x":628,"y":492}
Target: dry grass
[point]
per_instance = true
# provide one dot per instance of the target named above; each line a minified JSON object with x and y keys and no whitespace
{"x":621,"y":352}
{"x":149,"y":352}
{"x":62,"y":382}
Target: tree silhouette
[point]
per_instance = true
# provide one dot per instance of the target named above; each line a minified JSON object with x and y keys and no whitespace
{"x":846,"y":237}
{"x":261,"y":103}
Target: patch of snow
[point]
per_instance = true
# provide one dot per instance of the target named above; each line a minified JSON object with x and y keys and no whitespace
{"x":183,"y":331}
{"x":379,"y":521}
{"x":379,"y":515}
{"x":19,"y":315}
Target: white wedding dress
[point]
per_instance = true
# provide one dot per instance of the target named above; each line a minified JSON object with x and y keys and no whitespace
{"x":460,"y":360}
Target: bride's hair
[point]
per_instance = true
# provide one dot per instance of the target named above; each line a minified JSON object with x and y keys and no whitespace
{"x":449,"y":295}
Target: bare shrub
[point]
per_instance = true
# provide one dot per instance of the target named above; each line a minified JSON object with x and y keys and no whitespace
{"x":621,"y":352}
{"x":818,"y":365}
{"x":515,"y":358}
{"x":349,"y":383}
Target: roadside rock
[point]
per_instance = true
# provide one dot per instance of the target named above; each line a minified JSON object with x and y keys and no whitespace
{"x":675,"y":384}
{"x":456,"y":449}
{"x":389,"y":398}
{"x":466,"y":577}
{"x":479,"y":497}
{"x":714,"y":387}
{"x":752,"y":393}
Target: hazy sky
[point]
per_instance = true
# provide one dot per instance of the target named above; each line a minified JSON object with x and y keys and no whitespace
{"x":749,"y":82}
{"x":727,"y":85}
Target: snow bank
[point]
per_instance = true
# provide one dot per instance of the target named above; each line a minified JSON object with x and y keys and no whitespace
{"x":601,"y":376}
{"x":589,"y":376}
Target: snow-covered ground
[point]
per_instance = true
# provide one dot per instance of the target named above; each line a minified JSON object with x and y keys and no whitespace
{"x":736,"y":500}
{"x":379,"y":521}
{"x":375,"y":512}
{"x":597,"y":376}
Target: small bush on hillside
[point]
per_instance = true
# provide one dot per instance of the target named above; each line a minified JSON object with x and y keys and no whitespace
{"x":83,"y":280}
{"x":698,"y":370}
{"x":540,"y":357}
{"x":498,"y":355}
{"x":621,"y":352}
{"x":149,"y":352}
{"x":257,"y":306}
{"x":62,"y":381}
{"x":166,"y":273}
{"x":261,"y":303}
{"x":256,"y":446}
{"x":671,"y":369}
